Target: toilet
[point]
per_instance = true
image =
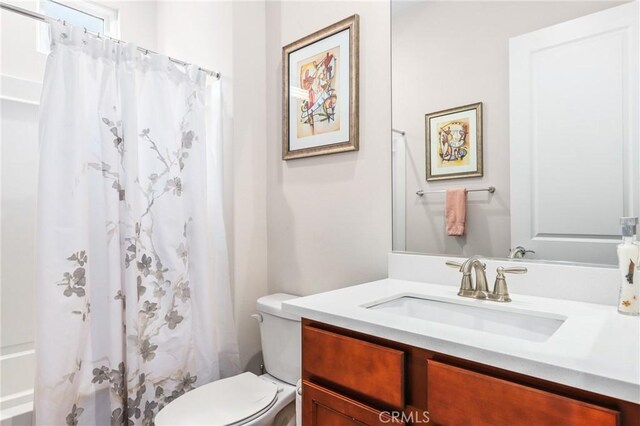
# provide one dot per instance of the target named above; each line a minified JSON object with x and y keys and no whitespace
{"x":247,"y":399}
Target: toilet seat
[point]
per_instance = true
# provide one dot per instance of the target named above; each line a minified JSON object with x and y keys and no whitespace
{"x":226,"y":402}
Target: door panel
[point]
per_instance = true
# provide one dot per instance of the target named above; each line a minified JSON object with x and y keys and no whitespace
{"x":574,"y":93}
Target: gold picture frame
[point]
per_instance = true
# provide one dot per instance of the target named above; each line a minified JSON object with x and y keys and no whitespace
{"x":320,"y":114}
{"x":453,"y":142}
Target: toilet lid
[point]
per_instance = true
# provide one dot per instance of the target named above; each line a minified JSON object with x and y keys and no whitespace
{"x":230,"y":401}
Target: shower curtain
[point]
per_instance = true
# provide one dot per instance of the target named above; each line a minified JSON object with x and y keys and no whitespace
{"x":134,"y":305}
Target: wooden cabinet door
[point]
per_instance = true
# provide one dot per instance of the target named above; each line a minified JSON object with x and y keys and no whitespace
{"x":322,"y":407}
{"x":461,"y":397}
{"x":372,"y":372}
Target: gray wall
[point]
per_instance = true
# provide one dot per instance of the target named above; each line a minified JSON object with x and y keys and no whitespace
{"x":329,"y":217}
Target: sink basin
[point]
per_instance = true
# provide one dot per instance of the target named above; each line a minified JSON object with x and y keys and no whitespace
{"x":527,"y":326}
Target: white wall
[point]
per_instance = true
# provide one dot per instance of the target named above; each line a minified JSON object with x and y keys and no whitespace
{"x":18,"y":189}
{"x":18,"y":42}
{"x":447,"y":54}
{"x":329,"y":217}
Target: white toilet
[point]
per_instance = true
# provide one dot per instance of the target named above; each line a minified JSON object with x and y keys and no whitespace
{"x":247,"y":399}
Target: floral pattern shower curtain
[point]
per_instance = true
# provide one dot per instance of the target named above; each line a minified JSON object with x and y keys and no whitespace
{"x":134,"y":305}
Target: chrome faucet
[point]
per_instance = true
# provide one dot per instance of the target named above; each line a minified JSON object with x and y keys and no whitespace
{"x":500,"y":292}
{"x":467,"y":289}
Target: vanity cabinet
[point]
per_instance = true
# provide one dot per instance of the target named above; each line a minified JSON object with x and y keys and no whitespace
{"x":344,"y":362}
{"x":354,"y":379}
{"x":463,"y":397}
{"x":322,"y":406}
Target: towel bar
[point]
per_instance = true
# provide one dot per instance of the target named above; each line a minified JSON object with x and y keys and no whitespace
{"x":490,"y":190}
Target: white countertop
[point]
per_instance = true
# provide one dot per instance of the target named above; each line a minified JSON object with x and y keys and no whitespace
{"x":595,"y":349}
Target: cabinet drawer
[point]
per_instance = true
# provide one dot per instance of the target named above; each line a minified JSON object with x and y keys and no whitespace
{"x":372,"y":371}
{"x":457,"y":396}
{"x":322,"y":407}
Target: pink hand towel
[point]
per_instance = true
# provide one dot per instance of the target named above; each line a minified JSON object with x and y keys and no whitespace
{"x":455,"y":210}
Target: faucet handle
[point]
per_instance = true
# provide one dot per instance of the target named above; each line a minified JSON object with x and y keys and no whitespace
{"x":458,"y":265}
{"x":513,"y":270}
{"x":500,"y":290}
{"x":452,"y":264}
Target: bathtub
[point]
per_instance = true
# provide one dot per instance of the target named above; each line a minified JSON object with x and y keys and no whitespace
{"x":16,"y":398}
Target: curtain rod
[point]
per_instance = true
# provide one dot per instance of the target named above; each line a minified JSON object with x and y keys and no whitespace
{"x":46,"y":19}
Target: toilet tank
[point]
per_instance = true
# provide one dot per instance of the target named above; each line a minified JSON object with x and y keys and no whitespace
{"x":280,"y":336}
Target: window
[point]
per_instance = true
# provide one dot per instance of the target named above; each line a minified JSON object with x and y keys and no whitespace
{"x":84,"y":14}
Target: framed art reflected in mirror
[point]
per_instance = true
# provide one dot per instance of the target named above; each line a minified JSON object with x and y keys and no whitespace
{"x":453,"y":139}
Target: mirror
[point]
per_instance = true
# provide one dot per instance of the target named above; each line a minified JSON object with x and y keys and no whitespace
{"x":557,"y":136}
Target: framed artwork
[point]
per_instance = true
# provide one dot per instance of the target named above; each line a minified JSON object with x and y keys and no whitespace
{"x":320,"y":92}
{"x":454,"y":143}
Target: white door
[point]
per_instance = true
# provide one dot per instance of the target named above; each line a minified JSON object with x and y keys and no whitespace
{"x":574,"y":119}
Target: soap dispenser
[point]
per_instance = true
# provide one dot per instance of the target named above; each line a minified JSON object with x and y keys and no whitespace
{"x":628,"y":259}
